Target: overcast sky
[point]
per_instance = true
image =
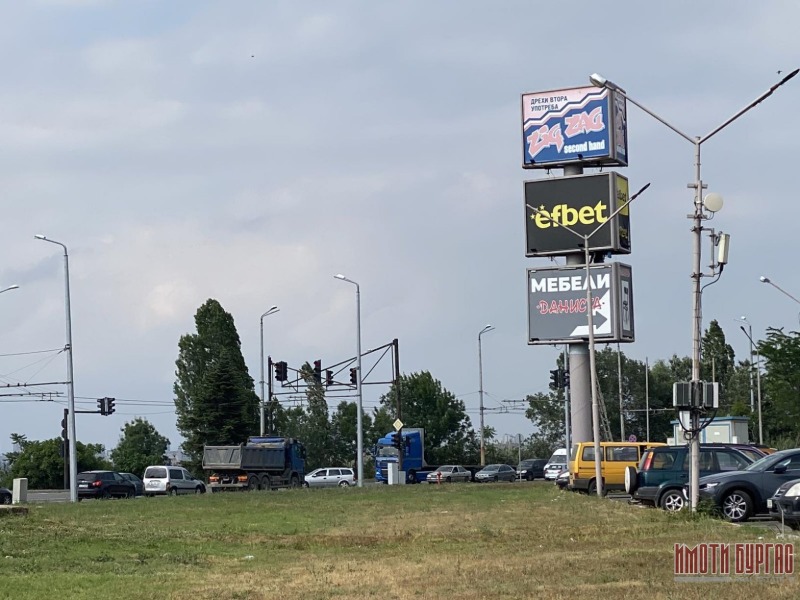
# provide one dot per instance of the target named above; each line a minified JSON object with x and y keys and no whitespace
{"x":249,"y":151}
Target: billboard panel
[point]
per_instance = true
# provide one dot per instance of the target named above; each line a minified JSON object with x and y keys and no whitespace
{"x":576,"y":125}
{"x":557,"y":304}
{"x":580,"y":202}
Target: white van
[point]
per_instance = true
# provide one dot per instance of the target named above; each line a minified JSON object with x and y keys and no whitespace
{"x":558,"y":457}
{"x":167,"y":480}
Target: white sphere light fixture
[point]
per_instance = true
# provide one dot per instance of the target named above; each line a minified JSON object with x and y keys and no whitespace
{"x":713,"y":202}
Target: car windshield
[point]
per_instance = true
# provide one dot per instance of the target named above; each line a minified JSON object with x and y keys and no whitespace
{"x":445,"y":468}
{"x":492,"y":468}
{"x":751,"y":454}
{"x":526,"y":463}
{"x":766,"y":462}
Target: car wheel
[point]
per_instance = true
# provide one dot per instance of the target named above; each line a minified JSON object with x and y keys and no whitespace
{"x":198,"y":490}
{"x":737,"y":506}
{"x":344,"y":484}
{"x":295,"y":481}
{"x":631,"y":480}
{"x":106,"y":495}
{"x":173,"y":491}
{"x":305,"y":484}
{"x":672,"y":501}
{"x":448,"y":479}
{"x":496,"y":479}
{"x":592,"y":490}
{"x":411,"y":477}
{"x":131,"y":494}
{"x":5,"y":499}
{"x":529,"y":477}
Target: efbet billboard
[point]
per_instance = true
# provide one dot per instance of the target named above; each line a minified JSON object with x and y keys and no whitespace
{"x":582,"y":203}
{"x":586,"y":125}
{"x":557,"y":304}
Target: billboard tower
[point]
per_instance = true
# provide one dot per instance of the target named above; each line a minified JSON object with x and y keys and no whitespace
{"x":572,"y":129}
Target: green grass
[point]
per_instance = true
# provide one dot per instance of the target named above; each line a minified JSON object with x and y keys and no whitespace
{"x":454,"y":542}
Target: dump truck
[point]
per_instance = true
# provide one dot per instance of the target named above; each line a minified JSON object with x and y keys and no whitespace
{"x":263,"y":463}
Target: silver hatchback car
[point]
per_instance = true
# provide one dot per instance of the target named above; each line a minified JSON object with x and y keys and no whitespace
{"x":330,"y":477}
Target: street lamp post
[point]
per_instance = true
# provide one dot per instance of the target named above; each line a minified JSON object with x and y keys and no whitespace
{"x":697,"y":229}
{"x":480,"y":383}
{"x":73,"y":457}
{"x":780,"y":289}
{"x":272,"y":310}
{"x":359,"y":421}
{"x":9,"y":288}
{"x":598,"y":471}
{"x":754,"y":348}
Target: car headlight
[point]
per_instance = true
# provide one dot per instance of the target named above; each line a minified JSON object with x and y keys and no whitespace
{"x":710,"y":486}
{"x":794,"y":490}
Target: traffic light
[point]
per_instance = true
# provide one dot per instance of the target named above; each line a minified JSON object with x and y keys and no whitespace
{"x":110,"y":406}
{"x":353,"y":376}
{"x":281,"y":371}
{"x":565,"y":378}
{"x":101,"y":406}
{"x":328,"y":377}
{"x":64,"y":434}
{"x":555,"y":379}
{"x":397,"y":440}
{"x":318,"y":371}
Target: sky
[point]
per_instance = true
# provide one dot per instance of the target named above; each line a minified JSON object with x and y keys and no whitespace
{"x":249,"y":151}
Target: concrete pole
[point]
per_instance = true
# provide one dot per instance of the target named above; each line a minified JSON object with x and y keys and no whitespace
{"x":758,"y":379}
{"x":580,"y":395}
{"x":480,"y":392}
{"x":697,"y":231}
{"x":262,"y":428}
{"x":598,"y":470}
{"x":647,"y":399}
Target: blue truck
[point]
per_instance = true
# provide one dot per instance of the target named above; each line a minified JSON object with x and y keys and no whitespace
{"x":414,"y":464}
{"x":263,"y":463}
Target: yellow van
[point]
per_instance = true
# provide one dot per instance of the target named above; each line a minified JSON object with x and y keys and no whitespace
{"x":614,"y":458}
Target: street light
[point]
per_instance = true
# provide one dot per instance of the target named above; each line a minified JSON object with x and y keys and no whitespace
{"x":780,"y":289}
{"x":11,"y":287}
{"x":749,"y":333}
{"x":73,"y":455}
{"x":480,"y":382}
{"x":598,"y":471}
{"x":272,"y":310}
{"x":359,"y":423}
{"x":714,"y":204}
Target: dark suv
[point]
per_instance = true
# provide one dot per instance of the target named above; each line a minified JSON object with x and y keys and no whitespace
{"x":531,"y":468}
{"x":664,"y":470}
{"x":104,"y":484}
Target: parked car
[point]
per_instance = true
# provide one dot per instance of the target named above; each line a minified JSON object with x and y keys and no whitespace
{"x":104,"y":484}
{"x":531,"y":468}
{"x":614,"y":458}
{"x":742,"y":494}
{"x":160,"y":480}
{"x":137,"y":483}
{"x":448,"y":474}
{"x":663,"y":471}
{"x":330,"y":477}
{"x":562,"y":481}
{"x":785,"y":504}
{"x":554,"y":470}
{"x":496,"y":473}
{"x":5,"y":496}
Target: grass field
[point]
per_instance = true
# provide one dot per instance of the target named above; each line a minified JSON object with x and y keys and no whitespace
{"x":456,"y":542}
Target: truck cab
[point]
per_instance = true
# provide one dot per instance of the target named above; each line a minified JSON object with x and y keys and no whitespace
{"x":413,"y":461}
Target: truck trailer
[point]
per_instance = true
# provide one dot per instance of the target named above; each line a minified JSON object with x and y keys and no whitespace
{"x":263,"y":463}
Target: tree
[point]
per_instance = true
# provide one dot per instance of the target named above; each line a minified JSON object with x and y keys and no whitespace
{"x":215,"y":398}
{"x":139,"y":446}
{"x":42,"y":464}
{"x":427,"y":404}
{"x":781,"y":386}
{"x":717,"y":360}
{"x":344,"y":433}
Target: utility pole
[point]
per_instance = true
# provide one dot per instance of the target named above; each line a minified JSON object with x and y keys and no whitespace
{"x":566,"y":402}
{"x":621,"y":407}
{"x":399,"y":408}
